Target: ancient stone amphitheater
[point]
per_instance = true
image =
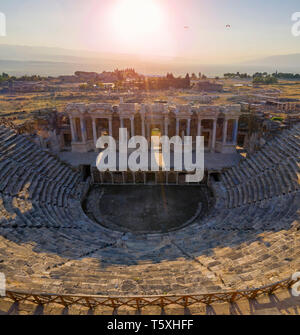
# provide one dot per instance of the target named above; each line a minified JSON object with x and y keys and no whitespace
{"x":249,"y":238}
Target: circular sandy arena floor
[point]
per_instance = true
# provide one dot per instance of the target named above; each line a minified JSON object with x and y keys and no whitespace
{"x":146,"y":209}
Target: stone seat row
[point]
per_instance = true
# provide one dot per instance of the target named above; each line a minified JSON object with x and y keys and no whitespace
{"x":16,"y":180}
{"x":32,"y":157}
{"x":272,"y":154}
{"x":17,"y":214}
{"x":271,"y":213}
{"x":239,"y":258}
{"x":248,"y":241}
{"x":272,"y":182}
{"x":230,"y":266}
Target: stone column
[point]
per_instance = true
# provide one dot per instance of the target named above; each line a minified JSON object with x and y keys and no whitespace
{"x":235,"y":131}
{"x":132,"y":125}
{"x":225,"y":125}
{"x":188,"y":127}
{"x":148,"y":132}
{"x":199,"y":127}
{"x":166,"y":127}
{"x":110,"y":131}
{"x":95,"y":136}
{"x":83,"y":129}
{"x":213,"y":143}
{"x":73,"y":130}
{"x":143,"y":126}
{"x":177,"y":127}
{"x":121,"y":122}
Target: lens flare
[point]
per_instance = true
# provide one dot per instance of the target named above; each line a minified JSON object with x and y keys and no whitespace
{"x":134,"y":19}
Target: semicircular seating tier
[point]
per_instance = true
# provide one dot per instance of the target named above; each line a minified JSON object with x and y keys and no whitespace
{"x":250,"y":238}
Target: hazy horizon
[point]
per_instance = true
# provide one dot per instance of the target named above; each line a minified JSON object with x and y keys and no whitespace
{"x":27,"y":60}
{"x":153,"y":36}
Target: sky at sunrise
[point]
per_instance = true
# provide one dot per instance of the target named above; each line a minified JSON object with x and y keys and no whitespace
{"x":214,"y":31}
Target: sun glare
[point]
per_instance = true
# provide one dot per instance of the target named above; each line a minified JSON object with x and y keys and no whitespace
{"x":135,"y":19}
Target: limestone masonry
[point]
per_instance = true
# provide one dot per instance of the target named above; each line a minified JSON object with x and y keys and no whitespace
{"x":218,"y":124}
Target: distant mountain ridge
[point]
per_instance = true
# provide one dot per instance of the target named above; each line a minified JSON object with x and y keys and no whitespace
{"x":34,"y":53}
{"x":280,"y":61}
{"x":19,"y":60}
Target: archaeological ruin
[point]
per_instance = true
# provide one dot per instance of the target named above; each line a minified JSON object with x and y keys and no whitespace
{"x":218,"y":124}
{"x":68,"y":230}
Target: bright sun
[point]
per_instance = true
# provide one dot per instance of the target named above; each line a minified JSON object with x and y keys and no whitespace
{"x":135,"y":19}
